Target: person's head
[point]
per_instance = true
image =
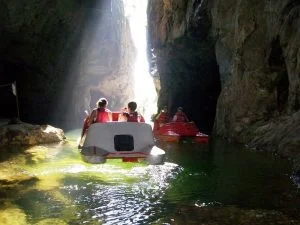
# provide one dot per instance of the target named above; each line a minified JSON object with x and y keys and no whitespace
{"x":102,"y":102}
{"x":165,"y":109}
{"x":180,"y":109}
{"x":132,"y":106}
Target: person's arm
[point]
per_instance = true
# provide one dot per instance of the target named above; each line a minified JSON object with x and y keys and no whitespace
{"x":110,"y":116}
{"x":120,"y":118}
{"x":158,"y":115}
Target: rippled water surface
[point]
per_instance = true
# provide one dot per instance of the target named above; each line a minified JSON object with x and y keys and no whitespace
{"x":51,"y":185}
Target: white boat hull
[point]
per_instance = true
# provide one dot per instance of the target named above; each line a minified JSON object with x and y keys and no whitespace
{"x":121,"y":140}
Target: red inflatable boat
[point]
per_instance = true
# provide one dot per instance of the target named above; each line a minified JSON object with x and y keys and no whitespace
{"x":179,"y":131}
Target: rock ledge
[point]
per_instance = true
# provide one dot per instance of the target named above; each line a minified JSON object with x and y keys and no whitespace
{"x":29,"y":134}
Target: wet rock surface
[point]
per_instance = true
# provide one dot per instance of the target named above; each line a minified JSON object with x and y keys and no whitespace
{"x":232,"y":216}
{"x":29,"y":134}
{"x":280,"y":135}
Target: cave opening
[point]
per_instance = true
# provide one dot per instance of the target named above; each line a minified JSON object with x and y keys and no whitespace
{"x":190,"y":78}
{"x":199,"y":99}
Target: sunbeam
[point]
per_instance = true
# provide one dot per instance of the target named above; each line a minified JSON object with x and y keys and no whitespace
{"x":144,"y":89}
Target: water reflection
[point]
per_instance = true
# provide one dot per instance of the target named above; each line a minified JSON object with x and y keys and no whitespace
{"x":51,"y":184}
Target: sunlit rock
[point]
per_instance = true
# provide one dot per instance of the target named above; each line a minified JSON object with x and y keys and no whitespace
{"x":37,"y":153}
{"x":49,"y":182}
{"x":12,"y":215}
{"x":28,"y":134}
{"x":12,"y":175}
{"x":51,"y":222}
{"x":104,"y":59}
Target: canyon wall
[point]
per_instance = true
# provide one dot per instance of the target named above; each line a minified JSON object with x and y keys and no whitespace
{"x":257,"y":49}
{"x":64,"y":55}
{"x":183,"y":57}
{"x":253,"y":45}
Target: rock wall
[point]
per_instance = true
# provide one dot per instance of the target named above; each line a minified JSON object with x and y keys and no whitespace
{"x":183,"y":58}
{"x":254,"y":45}
{"x":37,"y":41}
{"x":63,"y":54}
{"x":257,"y":49}
{"x":104,"y":60}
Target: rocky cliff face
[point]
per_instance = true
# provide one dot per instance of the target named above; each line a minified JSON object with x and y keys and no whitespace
{"x":63,"y":54}
{"x":234,"y":64}
{"x":257,"y":49}
{"x":253,"y":45}
{"x":104,"y":60}
{"x":184,"y":58}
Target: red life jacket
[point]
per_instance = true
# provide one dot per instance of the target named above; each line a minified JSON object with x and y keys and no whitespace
{"x":102,"y":115}
{"x":163,"y":117}
{"x":134,"y":117}
{"x":142,"y":119}
{"x":180,"y":117}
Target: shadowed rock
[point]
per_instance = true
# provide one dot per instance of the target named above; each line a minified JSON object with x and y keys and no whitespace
{"x":231,"y":215}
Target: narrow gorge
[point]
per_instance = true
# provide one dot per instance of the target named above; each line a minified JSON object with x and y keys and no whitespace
{"x":234,"y":68}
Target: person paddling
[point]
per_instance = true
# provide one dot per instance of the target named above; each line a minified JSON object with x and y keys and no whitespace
{"x":163,"y":116}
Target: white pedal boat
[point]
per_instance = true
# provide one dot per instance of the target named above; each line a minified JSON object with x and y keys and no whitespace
{"x":127,"y":140}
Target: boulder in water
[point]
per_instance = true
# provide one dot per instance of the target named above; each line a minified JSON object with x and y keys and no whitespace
{"x":28,"y":134}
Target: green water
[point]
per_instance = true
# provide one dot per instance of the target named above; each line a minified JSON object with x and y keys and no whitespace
{"x":51,"y":185}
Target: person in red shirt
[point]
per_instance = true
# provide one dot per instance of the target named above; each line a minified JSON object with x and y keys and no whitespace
{"x":131,"y":115}
{"x":180,"y":116}
{"x":161,"y":119}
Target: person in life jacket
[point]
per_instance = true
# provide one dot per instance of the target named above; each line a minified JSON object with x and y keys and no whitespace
{"x":161,"y":119}
{"x":100,"y":114}
{"x":131,"y":115}
{"x":163,"y":116}
{"x":180,"y":116}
